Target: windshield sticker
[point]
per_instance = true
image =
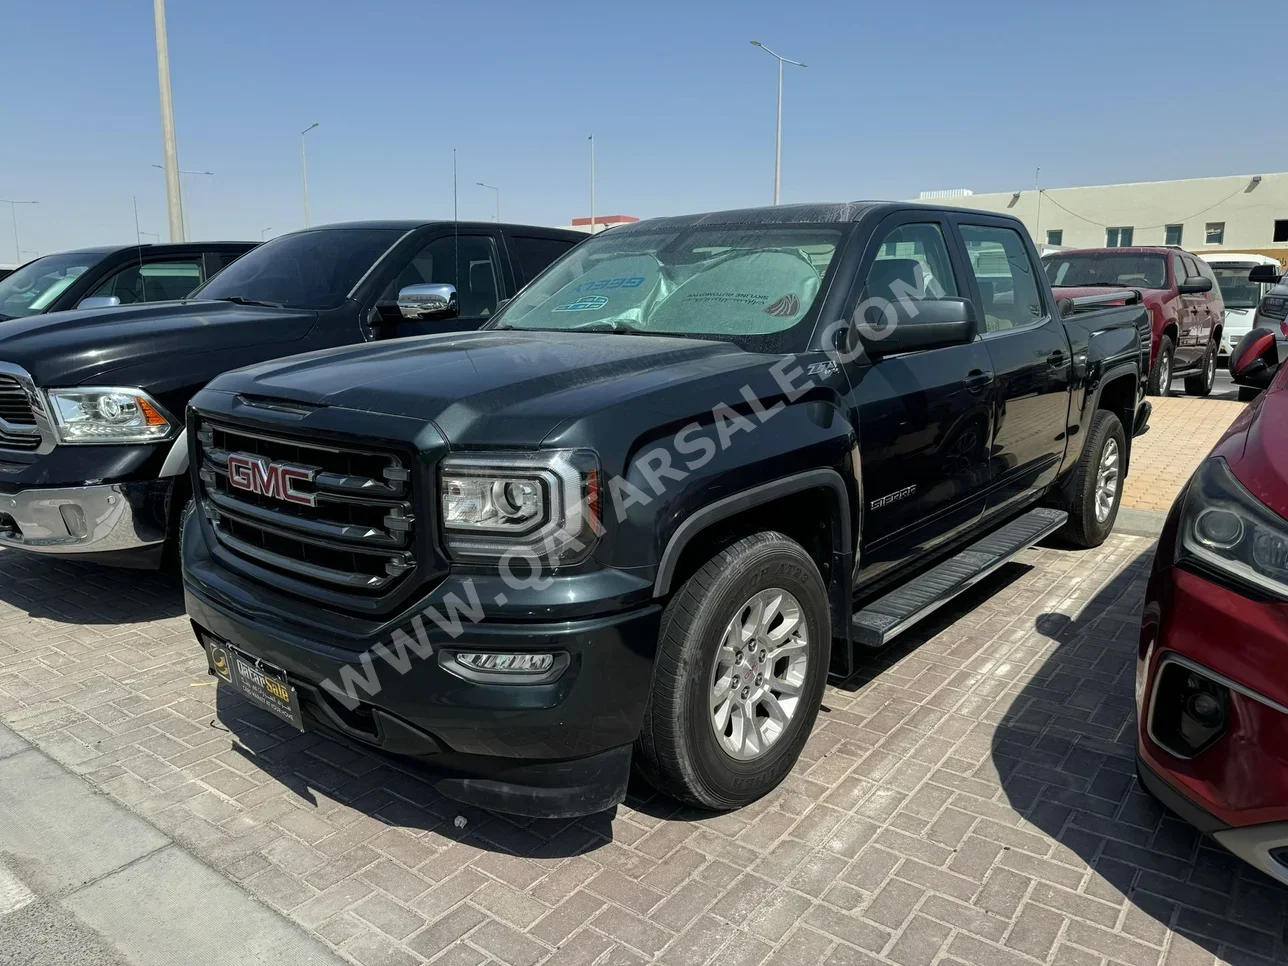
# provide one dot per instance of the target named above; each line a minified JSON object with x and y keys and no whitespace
{"x":587,"y":303}
{"x":785,"y":307}
{"x":632,"y":281}
{"x":740,"y":298}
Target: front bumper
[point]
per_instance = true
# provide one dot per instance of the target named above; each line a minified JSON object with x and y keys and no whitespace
{"x":1236,"y":788}
{"x":106,"y":519}
{"x":554,"y":749}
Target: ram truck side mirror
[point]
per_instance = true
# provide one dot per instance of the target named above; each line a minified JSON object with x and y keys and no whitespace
{"x":1265,"y":274}
{"x":913,"y":325}
{"x":99,"y":302}
{"x":1195,"y":286}
{"x":432,"y":302}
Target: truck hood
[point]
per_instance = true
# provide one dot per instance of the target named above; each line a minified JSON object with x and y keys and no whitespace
{"x":77,"y":347}
{"x":495,"y":387}
{"x":1256,"y":446}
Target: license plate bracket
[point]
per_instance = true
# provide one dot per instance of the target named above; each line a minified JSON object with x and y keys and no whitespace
{"x":259,"y":683}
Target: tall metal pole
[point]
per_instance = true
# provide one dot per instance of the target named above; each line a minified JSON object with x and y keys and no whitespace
{"x":592,"y":184}
{"x":138,"y":239}
{"x":13,"y":210}
{"x":483,"y":184}
{"x":778,"y":135}
{"x":1037,"y":228}
{"x":174,"y":201}
{"x":304,"y":172}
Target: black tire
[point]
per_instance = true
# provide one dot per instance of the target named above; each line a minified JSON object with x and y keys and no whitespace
{"x":181,"y":504}
{"x":1085,"y":528}
{"x":1248,"y":393}
{"x":1163,"y":363}
{"x":1201,"y":385}
{"x":678,"y":750}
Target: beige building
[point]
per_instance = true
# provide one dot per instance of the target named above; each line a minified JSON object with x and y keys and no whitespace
{"x":1242,"y":213}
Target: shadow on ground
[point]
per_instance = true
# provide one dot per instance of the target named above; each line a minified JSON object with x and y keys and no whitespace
{"x":70,"y":592}
{"x":1066,"y":755}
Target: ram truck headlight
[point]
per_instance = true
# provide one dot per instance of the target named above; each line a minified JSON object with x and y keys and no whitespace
{"x":97,"y":415}
{"x":543,"y":505}
{"x":1226,"y":529}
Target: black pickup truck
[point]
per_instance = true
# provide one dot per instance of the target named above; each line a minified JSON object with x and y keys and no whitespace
{"x":93,"y":458}
{"x":696,"y":465}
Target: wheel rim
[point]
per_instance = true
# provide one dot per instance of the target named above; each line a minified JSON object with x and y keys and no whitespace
{"x":1164,"y":374}
{"x":759,"y":674}
{"x":1107,"y":481}
{"x":1211,"y":373}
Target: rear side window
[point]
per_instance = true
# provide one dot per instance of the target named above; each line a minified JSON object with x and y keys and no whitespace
{"x":153,"y":281}
{"x":534,"y":254}
{"x":1008,"y":288}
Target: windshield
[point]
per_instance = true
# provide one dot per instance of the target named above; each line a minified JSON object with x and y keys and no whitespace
{"x":305,"y":270}
{"x":32,"y":289}
{"x":1128,"y":269}
{"x":1236,"y":290}
{"x":751,"y":285}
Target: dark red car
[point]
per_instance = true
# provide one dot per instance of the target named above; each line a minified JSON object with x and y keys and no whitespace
{"x":1212,"y":672}
{"x":1181,"y":292}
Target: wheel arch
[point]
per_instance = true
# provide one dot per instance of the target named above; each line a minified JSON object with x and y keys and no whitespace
{"x":1117,"y":393}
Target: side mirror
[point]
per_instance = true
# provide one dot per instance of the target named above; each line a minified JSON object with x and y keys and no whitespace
{"x":1195,"y":286}
{"x":1265,"y":274}
{"x":99,"y":302}
{"x":911,"y":325}
{"x":433,"y":302}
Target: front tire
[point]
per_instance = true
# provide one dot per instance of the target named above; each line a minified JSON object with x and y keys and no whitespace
{"x":741,"y":666}
{"x":1248,"y":393}
{"x":1201,"y":385}
{"x":1160,"y":376}
{"x":1097,"y":483}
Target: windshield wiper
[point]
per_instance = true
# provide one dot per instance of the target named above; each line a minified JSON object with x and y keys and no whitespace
{"x":6,"y":318}
{"x":238,"y":300}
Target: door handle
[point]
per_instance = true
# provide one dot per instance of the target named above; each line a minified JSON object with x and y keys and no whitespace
{"x":1056,"y":358}
{"x":977,"y":380}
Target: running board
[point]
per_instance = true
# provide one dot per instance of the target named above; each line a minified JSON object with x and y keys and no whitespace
{"x":884,"y":619}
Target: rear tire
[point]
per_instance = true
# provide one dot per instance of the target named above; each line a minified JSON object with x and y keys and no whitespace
{"x":1160,"y":376}
{"x":1201,"y":385}
{"x":708,"y":739}
{"x":1248,"y":393}
{"x":1097,"y":483}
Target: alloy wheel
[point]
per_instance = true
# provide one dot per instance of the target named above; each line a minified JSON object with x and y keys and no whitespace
{"x":1107,"y":480}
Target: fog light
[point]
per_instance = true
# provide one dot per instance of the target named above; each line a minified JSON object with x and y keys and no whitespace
{"x":1190,"y":712}
{"x":507,"y":663}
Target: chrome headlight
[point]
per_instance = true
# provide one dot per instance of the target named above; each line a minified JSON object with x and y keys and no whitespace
{"x":1228,"y":529}
{"x":106,"y":415}
{"x":531,"y":504}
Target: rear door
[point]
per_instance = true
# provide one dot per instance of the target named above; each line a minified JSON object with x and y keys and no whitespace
{"x":1213,"y":304}
{"x":1029,"y":353}
{"x":923,"y":415}
{"x":1189,"y":317}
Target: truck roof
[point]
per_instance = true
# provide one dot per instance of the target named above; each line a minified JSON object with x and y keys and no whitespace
{"x":163,"y":247}
{"x":411,"y":224}
{"x":815,"y":213}
{"x":1127,"y":249}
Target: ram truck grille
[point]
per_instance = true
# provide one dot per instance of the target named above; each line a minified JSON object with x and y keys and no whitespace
{"x":318,"y":513}
{"x":18,"y":429}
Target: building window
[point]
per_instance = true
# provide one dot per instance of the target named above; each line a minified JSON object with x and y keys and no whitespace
{"x":1216,"y":233}
{"x":1118,"y":237}
{"x":1174,"y":234}
{"x":1057,"y":237}
{"x":1281,"y":230}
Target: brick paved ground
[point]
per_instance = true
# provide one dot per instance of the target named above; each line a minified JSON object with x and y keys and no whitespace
{"x":969,"y":799}
{"x":1182,"y":431}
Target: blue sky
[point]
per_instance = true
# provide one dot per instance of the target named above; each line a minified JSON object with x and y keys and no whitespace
{"x":897,"y":98}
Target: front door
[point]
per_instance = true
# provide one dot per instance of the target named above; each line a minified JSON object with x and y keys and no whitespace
{"x":923,"y":416}
{"x":1030,"y":355}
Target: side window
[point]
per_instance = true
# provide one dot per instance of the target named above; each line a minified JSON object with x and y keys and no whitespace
{"x":153,"y":281}
{"x":1191,"y":269}
{"x":467,"y":261}
{"x":534,"y":254}
{"x":912,"y":263}
{"x":1178,"y":269}
{"x":1005,"y":274}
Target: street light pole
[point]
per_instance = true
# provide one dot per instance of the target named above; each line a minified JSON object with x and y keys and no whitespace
{"x":187,"y":221}
{"x":304,"y":172}
{"x":592,"y":184}
{"x":778,"y":139}
{"x":498,"y":198}
{"x":174,"y":200}
{"x":13,"y":210}
{"x":264,"y":231}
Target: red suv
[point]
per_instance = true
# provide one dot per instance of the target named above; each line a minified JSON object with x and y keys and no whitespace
{"x":1211,"y":674}
{"x":1184,"y":302}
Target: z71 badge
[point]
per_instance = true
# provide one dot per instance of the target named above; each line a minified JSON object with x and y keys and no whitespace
{"x":894,"y":497}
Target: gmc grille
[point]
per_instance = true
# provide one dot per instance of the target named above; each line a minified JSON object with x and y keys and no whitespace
{"x":17,"y":420}
{"x":356,"y":537}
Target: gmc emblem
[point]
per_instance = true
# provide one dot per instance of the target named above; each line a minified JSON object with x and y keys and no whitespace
{"x":255,"y":474}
